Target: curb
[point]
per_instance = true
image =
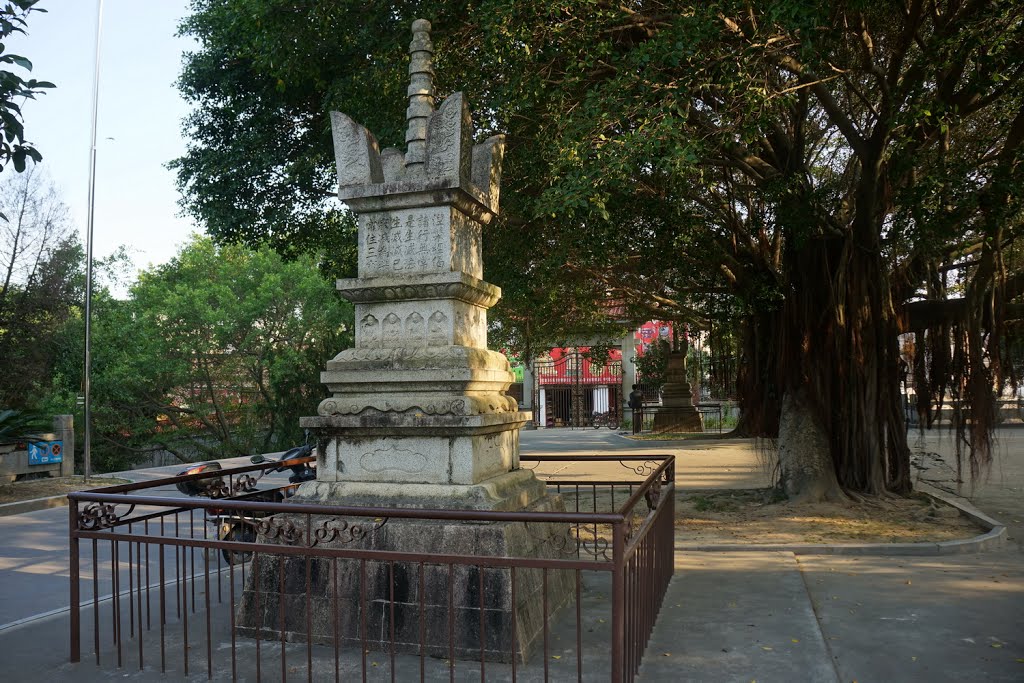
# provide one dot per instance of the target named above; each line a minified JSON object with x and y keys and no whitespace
{"x":993,"y":538}
{"x":33,"y":505}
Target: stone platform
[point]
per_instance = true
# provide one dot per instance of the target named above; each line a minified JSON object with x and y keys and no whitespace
{"x":377,"y":603}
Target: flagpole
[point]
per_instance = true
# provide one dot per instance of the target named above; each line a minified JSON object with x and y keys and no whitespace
{"x":87,"y":371}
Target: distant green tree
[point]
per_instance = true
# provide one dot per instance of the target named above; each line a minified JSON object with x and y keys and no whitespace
{"x":216,"y":353}
{"x":13,"y":148}
{"x":40,"y":283}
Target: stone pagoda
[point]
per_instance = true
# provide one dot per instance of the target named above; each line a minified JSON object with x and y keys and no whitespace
{"x":677,"y":412}
{"x":418,"y":416}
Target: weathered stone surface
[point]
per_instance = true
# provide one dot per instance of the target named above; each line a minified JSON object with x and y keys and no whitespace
{"x":421,"y":96}
{"x":677,"y":420}
{"x":459,"y":286}
{"x":450,"y":141}
{"x":357,"y":154}
{"x":392,"y":163}
{"x":464,"y":460}
{"x":378,"y":603}
{"x":405,"y":242}
{"x":487,"y":158}
{"x":418,"y":323}
{"x":506,"y":492}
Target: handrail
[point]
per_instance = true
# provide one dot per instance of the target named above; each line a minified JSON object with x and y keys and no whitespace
{"x":166,"y":481}
{"x":118,"y":495}
{"x":343,"y":510}
{"x":648,"y":482}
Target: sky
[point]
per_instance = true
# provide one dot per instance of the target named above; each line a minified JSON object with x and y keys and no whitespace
{"x":139,"y":122}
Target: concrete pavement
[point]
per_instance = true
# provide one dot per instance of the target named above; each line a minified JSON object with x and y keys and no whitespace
{"x":746,"y":616}
{"x":728,"y":616}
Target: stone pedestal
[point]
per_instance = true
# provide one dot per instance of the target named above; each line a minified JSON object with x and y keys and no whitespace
{"x":677,"y":412}
{"x":409,"y":605}
{"x":418,"y":416}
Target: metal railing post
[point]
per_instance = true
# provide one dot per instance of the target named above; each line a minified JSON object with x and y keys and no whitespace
{"x":76,"y":616}
{"x":618,"y":602}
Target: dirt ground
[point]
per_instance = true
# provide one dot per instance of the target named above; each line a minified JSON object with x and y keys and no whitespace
{"x":43,"y":488}
{"x":756,"y":516}
{"x":679,"y":436}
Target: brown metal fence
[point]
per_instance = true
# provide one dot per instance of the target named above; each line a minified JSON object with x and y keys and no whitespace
{"x":164,"y":567}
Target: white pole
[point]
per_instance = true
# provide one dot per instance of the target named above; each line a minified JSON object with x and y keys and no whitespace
{"x":87,"y":372}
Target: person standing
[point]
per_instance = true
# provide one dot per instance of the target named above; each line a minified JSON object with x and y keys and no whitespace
{"x":636,"y":402}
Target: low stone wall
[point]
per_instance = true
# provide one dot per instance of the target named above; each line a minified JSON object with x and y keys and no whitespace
{"x":14,"y":457}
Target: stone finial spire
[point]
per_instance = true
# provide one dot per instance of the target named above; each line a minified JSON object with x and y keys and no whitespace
{"x":421,"y":96}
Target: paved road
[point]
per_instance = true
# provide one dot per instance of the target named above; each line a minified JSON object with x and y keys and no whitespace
{"x":34,"y":559}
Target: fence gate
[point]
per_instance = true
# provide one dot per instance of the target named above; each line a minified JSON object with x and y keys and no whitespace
{"x":570,"y":388}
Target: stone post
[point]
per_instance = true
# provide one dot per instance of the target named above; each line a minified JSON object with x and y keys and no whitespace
{"x":678,"y":412}
{"x":529,"y":398}
{"x":418,"y":415}
{"x":64,"y":429}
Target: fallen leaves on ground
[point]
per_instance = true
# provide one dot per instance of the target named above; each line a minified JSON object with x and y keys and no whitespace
{"x":757,"y":516}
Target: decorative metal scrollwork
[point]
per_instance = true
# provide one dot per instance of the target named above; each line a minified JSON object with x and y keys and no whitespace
{"x":217,"y":489}
{"x":101,"y":516}
{"x":284,"y":530}
{"x":342,"y":531}
{"x":573,"y":542}
{"x":243,"y":483}
{"x":643,"y":469}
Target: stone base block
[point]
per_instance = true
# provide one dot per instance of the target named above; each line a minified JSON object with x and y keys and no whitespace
{"x":442,"y":607}
{"x":685,"y":419}
{"x":516,"y":490}
{"x":415,"y":455}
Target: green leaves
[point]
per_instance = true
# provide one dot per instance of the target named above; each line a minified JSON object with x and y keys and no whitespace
{"x":13,"y":147}
{"x":226,"y":347}
{"x":18,"y":425}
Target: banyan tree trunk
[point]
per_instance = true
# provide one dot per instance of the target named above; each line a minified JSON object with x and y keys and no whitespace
{"x":757,"y":377}
{"x":840,"y":372}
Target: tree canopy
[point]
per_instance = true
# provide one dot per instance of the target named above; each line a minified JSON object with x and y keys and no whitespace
{"x":13,"y":87}
{"x":811,"y":169}
{"x":41,"y":283}
{"x":216,"y":353}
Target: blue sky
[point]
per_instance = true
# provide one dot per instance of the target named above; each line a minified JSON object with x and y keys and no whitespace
{"x":139,"y":107}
